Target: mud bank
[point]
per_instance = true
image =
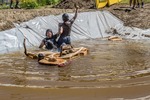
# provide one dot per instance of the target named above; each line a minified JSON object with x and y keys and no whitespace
{"x":10,"y":16}
{"x":126,"y":93}
{"x":136,"y":18}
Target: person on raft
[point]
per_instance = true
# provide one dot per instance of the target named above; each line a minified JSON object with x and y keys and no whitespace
{"x":64,"y":29}
{"x":49,"y":41}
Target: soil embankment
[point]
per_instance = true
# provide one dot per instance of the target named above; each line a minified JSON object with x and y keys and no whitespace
{"x":84,"y":4}
{"x":136,"y":18}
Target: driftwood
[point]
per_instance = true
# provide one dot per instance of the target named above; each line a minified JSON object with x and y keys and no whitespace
{"x":114,"y":38}
{"x":28,"y":54}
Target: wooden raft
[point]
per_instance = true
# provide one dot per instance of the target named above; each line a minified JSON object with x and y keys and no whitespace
{"x":54,"y":58}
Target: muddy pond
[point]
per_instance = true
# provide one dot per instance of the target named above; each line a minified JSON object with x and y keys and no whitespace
{"x":109,"y":64}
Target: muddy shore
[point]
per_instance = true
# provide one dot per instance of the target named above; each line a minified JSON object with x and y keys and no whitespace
{"x":136,"y":18}
{"x":126,"y":93}
{"x":10,"y":16}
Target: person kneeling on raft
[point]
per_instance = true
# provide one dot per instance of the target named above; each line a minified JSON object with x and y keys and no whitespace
{"x":64,"y":30}
{"x":49,"y":41}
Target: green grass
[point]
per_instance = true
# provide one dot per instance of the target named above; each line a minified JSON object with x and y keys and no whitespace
{"x":127,"y":1}
{"x":4,"y":6}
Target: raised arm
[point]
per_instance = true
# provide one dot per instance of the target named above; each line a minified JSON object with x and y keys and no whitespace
{"x":76,"y":13}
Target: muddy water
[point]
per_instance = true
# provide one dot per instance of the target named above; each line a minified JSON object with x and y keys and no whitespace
{"x":108,"y":64}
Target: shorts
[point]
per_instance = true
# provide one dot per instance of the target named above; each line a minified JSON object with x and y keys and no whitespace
{"x":63,"y":40}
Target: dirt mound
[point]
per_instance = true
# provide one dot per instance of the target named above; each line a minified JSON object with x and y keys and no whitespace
{"x":136,"y":18}
{"x":69,"y":4}
{"x":10,"y":16}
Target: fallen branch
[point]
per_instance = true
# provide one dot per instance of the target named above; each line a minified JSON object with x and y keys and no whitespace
{"x":25,"y":49}
{"x":31,"y":55}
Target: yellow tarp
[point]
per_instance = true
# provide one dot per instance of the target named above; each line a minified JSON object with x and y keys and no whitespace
{"x":110,"y":2}
{"x":103,"y":3}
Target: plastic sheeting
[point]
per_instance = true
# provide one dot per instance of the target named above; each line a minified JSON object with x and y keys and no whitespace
{"x":87,"y":25}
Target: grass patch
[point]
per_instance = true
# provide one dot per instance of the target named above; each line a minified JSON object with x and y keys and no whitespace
{"x":31,"y":4}
{"x":4,"y":6}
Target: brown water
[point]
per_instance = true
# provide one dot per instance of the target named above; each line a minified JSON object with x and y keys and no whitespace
{"x":108,"y":64}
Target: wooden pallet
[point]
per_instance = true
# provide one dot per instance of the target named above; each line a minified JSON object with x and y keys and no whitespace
{"x":54,"y":58}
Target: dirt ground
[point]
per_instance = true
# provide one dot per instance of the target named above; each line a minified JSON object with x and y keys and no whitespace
{"x":136,"y":18}
{"x":86,"y":4}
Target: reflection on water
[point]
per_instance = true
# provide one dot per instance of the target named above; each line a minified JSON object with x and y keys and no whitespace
{"x":107,"y":61}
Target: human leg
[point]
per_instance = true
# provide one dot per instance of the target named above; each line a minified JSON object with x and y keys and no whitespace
{"x":11,"y":2}
{"x":130,"y":2}
{"x":67,"y":40}
{"x":138,"y":4}
{"x":17,"y":2}
{"x":142,"y":3}
{"x":63,"y":40}
{"x":134,"y":3}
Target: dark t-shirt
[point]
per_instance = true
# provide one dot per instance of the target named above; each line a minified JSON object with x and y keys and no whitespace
{"x":66,"y":27}
{"x":49,"y":42}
